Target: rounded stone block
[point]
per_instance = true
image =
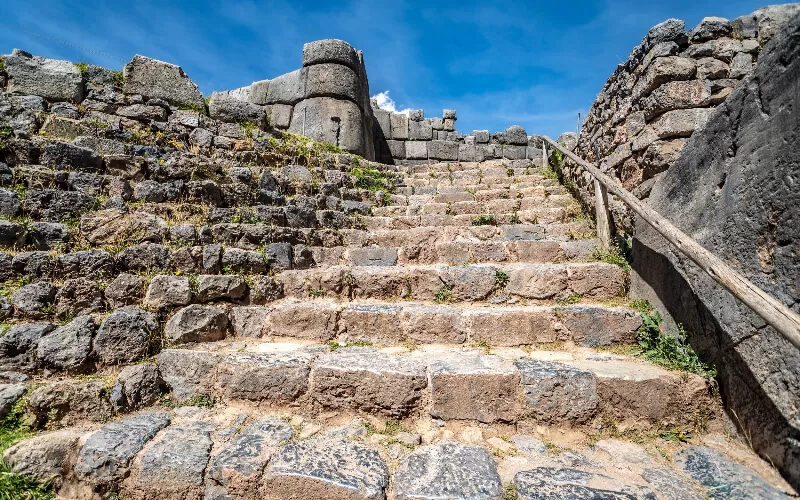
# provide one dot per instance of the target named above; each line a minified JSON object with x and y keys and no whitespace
{"x":330,"y":51}
{"x":333,"y":121}
{"x":333,"y":80}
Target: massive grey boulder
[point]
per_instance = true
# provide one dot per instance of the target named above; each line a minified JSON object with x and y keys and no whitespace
{"x":335,"y":121}
{"x":732,"y":190}
{"x":52,"y":79}
{"x":45,"y":457}
{"x":330,"y":51}
{"x":69,"y":347}
{"x":155,"y":79}
{"x":255,"y":93}
{"x":124,"y":336}
{"x":333,"y":80}
{"x":226,"y":107}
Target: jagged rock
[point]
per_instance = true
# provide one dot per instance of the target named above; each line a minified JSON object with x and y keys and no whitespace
{"x":449,"y":470}
{"x":68,"y":347}
{"x":146,"y":256}
{"x":201,"y":137}
{"x":671,"y":30}
{"x":49,"y":78}
{"x":124,"y":336}
{"x":85,"y":263}
{"x":30,"y":300}
{"x":55,"y":205}
{"x":710,"y":28}
{"x":114,"y":226}
{"x":46,"y":458}
{"x":137,"y":386}
{"x":37,"y":264}
{"x":126,"y":166}
{"x":63,"y":155}
{"x":9,"y":394}
{"x":197,"y":323}
{"x":555,"y":392}
{"x":326,"y":468}
{"x":216,"y":287}
{"x":574,"y":484}
{"x":107,"y":452}
{"x":238,"y":467}
{"x":265,"y":289}
{"x":9,"y":203}
{"x":12,"y":234}
{"x":370,"y":381}
{"x":125,"y":289}
{"x":65,"y":403}
{"x":48,"y":235}
{"x":78,"y":297}
{"x":155,"y":79}
{"x":166,"y":291}
{"x":18,"y":345}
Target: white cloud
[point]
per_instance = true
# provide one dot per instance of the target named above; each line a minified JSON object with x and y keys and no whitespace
{"x":387,"y":103}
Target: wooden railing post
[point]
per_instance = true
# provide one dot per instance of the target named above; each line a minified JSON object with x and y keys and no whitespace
{"x":601,"y":207}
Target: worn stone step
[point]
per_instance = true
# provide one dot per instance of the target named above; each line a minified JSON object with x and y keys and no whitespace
{"x":532,"y":216}
{"x":594,"y":281}
{"x":500,"y":205}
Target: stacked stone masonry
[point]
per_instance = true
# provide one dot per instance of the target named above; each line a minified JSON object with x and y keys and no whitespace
{"x":197,"y":305}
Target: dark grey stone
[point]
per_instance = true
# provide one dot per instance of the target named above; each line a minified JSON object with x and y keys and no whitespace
{"x":137,"y":386}
{"x":197,"y":323}
{"x":78,"y":297}
{"x":66,"y":156}
{"x":330,"y":467}
{"x":49,"y":78}
{"x":126,"y":289}
{"x":220,"y":287}
{"x":48,"y":235}
{"x":265,"y":289}
{"x":9,"y":394}
{"x":237,"y":260}
{"x":33,"y":264}
{"x":710,"y":28}
{"x":12,"y":234}
{"x":449,"y":470}
{"x":156,"y":79}
{"x":555,"y":392}
{"x":671,"y":30}
{"x":9,"y":203}
{"x":18,"y":345}
{"x":144,"y":257}
{"x":330,"y":51}
{"x":68,"y":347}
{"x":55,"y":205}
{"x":29,"y":300}
{"x":373,"y":256}
{"x":106,"y":454}
{"x":85,"y":263}
{"x":125,"y":335}
{"x":278,"y":256}
{"x":572,"y":484}
{"x":671,"y":485}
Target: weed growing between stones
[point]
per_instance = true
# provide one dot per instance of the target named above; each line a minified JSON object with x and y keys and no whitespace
{"x":316,"y":293}
{"x":444,"y":295}
{"x":12,"y":285}
{"x":6,"y":133}
{"x":501,"y":278}
{"x":15,"y":486}
{"x":509,"y":492}
{"x":548,"y":173}
{"x":484,"y":220}
{"x":573,"y":298}
{"x":201,"y":400}
{"x":83,"y":67}
{"x":613,"y":256}
{"x":333,"y":345}
{"x":483,"y":345}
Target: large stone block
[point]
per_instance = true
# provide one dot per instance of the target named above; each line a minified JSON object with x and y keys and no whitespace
{"x":537,"y":282}
{"x":511,"y":152}
{"x":433,"y":324}
{"x":510,"y":327}
{"x":331,"y":51}
{"x":379,"y":323}
{"x":557,"y":393}
{"x":420,"y":130}
{"x":315,"y":321}
{"x":574,"y":484}
{"x":330,"y":120}
{"x":267,"y":377}
{"x":279,"y":115}
{"x":397,"y":149}
{"x":663,"y":70}
{"x":368,"y":380}
{"x":399,"y":124}
{"x":443,"y":150}
{"x":516,"y":135}
{"x":224,"y":107}
{"x":255,"y":93}
{"x":417,"y":150}
{"x":333,"y":80}
{"x":155,"y":79}
{"x":677,"y":123}
{"x":676,"y":95}
{"x":470,"y":153}
{"x":289,"y":88}
{"x":188,"y":373}
{"x":710,"y":28}
{"x":52,"y":79}
{"x":473,"y":387}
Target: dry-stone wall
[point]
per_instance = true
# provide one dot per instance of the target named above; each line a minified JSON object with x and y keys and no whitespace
{"x":641,"y":120}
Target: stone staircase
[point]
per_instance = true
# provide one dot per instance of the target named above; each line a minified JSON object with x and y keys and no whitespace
{"x":269,"y":322}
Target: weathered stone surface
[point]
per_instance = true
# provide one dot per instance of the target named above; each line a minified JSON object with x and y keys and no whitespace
{"x":12,"y":234}
{"x":125,"y":289}
{"x":77,"y":297}
{"x":224,"y":107}
{"x":726,"y":478}
{"x":107,"y":452}
{"x":473,"y":387}
{"x":672,"y":485}
{"x":155,"y":79}
{"x":114,"y":226}
{"x":48,"y":235}
{"x":663,"y":70}
{"x":676,"y":95}
{"x":574,"y":484}
{"x":68,"y":347}
{"x":29,"y":300}
{"x":187,"y":373}
{"x":678,"y":123}
{"x":333,"y":80}
{"x":143,"y":112}
{"x":137,"y":386}
{"x":420,"y":130}
{"x":556,"y":393}
{"x":399,"y":122}
{"x":330,"y":51}
{"x":197,"y":323}
{"x":268,"y":377}
{"x":443,"y":150}
{"x":216,"y":287}
{"x":373,"y":256}
{"x":166,"y":291}
{"x":49,"y":78}
{"x":594,"y":326}
{"x":124,"y":336}
{"x":709,"y":67}
{"x":330,"y":120}
{"x":68,"y":402}
{"x":18,"y":345}
{"x":9,"y":394}
{"x":326,"y":468}
{"x":720,"y":193}
{"x":46,"y":457}
{"x":238,"y":467}
{"x":710,"y":28}
{"x":370,"y":381}
{"x":173,"y":467}
{"x":449,"y":470}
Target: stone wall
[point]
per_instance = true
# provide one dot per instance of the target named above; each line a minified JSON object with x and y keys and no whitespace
{"x":649,"y":107}
{"x":734,"y":189}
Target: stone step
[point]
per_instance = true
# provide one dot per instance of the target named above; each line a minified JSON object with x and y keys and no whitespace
{"x":533,"y":216}
{"x":500,"y":205}
{"x":593,"y":281}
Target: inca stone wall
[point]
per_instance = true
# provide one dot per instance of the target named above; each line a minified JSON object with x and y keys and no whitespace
{"x":649,"y":107}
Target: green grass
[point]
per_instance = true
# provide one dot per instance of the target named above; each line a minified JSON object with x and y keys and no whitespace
{"x":548,"y":173}
{"x":371,"y":179}
{"x":316,"y":293}
{"x":2,"y":63}
{"x":193,"y":107}
{"x":15,"y":486}
{"x":6,"y":133}
{"x":573,"y":298}
{"x":12,"y":285}
{"x":613,"y":256}
{"x":333,"y":345}
{"x":119,"y":80}
{"x":501,"y":278}
{"x":444,"y":295}
{"x":83,"y":67}
{"x":484,"y":220}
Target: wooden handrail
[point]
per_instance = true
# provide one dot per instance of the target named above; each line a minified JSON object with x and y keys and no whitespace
{"x":780,"y":317}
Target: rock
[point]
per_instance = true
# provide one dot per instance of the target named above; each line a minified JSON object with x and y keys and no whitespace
{"x":663,"y":70}
{"x":12,"y":234}
{"x":220,"y":287}
{"x":237,"y":469}
{"x":449,"y":470}
{"x":65,"y":403}
{"x":671,"y":30}
{"x":473,"y":387}
{"x":66,"y":156}
{"x":45,"y":458}
{"x":105,"y":456}
{"x":248,"y":321}
{"x":115,"y":226}
{"x":126,"y":289}
{"x":710,"y":28}
{"x":672,"y":485}
{"x":326,"y":468}
{"x":68,"y":347}
{"x":528,"y":445}
{"x":167,"y":291}
{"x":516,"y":135}
{"x":18,"y":345}
{"x":9,"y":394}
{"x":145,"y":257}
{"x":173,"y":467}
{"x":197,"y":323}
{"x":85,"y":263}
{"x":142,"y":112}
{"x":556,"y":393}
{"x":574,"y":484}
{"x":741,"y":65}
{"x":678,"y":123}
{"x":373,"y":256}
{"x":187,"y":373}
{"x":155,"y":79}
{"x":330,"y":120}
{"x":676,"y":95}
{"x":125,"y":336}
{"x":78,"y":297}
{"x":443,"y":150}
{"x":370,"y":381}
{"x":333,"y":80}
{"x":265,"y":289}
{"x":137,"y":386}
{"x":727,"y":479}
{"x":9,"y":203}
{"x":48,"y":235}
{"x":224,"y":107}
{"x":269,"y":377}
{"x":52,"y":79}
{"x":712,"y":68}
{"x":236,"y":260}
{"x":330,"y":51}
{"x":56,"y":205}
{"x":201,"y":137}
{"x":30,"y":300}
{"x":419,"y":131}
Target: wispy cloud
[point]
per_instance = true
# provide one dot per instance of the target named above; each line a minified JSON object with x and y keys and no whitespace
{"x":387,"y":103}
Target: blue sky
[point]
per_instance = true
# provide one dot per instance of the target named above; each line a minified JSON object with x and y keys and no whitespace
{"x":535,"y":64}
